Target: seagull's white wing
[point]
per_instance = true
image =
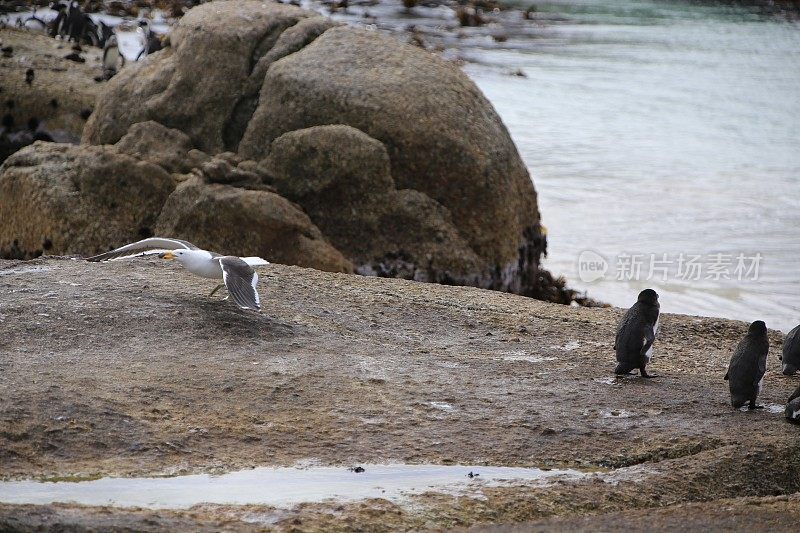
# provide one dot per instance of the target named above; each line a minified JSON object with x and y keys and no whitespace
{"x":255,"y":261}
{"x":240,"y":280}
{"x":144,"y":247}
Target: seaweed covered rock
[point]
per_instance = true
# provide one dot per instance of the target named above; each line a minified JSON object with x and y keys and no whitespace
{"x":44,"y":96}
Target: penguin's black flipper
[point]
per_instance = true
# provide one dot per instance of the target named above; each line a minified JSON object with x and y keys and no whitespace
{"x":795,"y":394}
{"x":726,"y":378}
{"x":649,"y":338}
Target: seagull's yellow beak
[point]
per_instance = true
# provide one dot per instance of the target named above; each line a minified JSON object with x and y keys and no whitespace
{"x":166,"y":255}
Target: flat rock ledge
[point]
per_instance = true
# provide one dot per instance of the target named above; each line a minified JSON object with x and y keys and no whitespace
{"x":128,"y":368}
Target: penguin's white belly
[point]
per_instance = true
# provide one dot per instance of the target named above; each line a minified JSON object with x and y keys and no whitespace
{"x":111,"y":59}
{"x":760,"y":384}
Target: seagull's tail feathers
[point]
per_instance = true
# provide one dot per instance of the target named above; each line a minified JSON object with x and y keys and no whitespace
{"x":255,"y":261}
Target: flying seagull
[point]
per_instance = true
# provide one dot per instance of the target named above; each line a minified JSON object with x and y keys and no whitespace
{"x":237,"y":273}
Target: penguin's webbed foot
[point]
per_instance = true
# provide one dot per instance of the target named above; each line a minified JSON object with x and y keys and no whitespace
{"x":753,"y":406}
{"x":644,"y":374}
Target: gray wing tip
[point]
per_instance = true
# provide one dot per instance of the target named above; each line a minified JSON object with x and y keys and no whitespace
{"x":240,"y":280}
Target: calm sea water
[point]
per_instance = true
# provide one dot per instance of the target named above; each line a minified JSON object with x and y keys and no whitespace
{"x":663,"y":138}
{"x":655,"y":128}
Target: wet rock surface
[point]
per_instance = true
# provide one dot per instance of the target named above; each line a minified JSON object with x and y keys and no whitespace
{"x":127,"y":368}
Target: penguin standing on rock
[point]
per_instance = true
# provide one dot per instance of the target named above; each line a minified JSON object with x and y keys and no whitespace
{"x":793,"y":407}
{"x":790,"y":360}
{"x":113,"y":60}
{"x":636,"y":334}
{"x":748,"y":366}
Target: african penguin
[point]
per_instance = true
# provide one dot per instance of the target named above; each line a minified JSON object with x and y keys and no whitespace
{"x":113,"y":60}
{"x":748,"y":366}
{"x":793,"y":407}
{"x":790,"y":360}
{"x":36,"y":24}
{"x":143,"y":33}
{"x":636,"y":333}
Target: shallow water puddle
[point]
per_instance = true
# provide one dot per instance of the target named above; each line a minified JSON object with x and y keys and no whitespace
{"x":276,"y":487}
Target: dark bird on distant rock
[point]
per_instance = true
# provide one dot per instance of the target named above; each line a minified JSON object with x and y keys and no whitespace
{"x":748,"y":366}
{"x":8,"y":51}
{"x":29,"y":76}
{"x":790,"y":360}
{"x":74,"y":56}
{"x":636,"y":333}
{"x":57,"y":26}
{"x":793,"y":407}
{"x":75,"y":22}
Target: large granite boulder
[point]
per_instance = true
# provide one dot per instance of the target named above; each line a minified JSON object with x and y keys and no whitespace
{"x":67,"y":199}
{"x":342,"y":178}
{"x":428,"y":148}
{"x":218,"y":55}
{"x":247,"y":222}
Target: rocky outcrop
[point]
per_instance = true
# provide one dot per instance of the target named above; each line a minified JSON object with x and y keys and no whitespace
{"x":168,"y":148}
{"x":394,"y":153}
{"x":129,"y":369}
{"x":442,"y":136}
{"x":221,"y":217}
{"x":218,"y":51}
{"x":42,"y":91}
{"x":66,"y":199}
{"x":342,"y":178}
